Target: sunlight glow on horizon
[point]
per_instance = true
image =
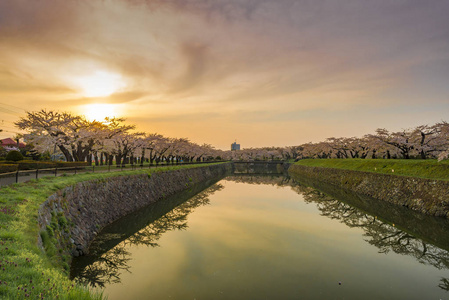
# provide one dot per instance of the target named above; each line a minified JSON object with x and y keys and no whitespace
{"x":98,"y":111}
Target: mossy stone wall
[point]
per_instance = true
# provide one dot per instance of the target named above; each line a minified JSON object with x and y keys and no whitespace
{"x":424,"y":195}
{"x":73,"y":216}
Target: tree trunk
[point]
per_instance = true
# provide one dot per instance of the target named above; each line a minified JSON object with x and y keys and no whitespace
{"x":97,"y":163}
{"x":66,"y":153}
{"x":423,"y":154}
{"x":118,"y":159}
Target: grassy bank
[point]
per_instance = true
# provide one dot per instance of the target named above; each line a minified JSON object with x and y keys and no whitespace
{"x":25,"y":271}
{"x":429,"y":168}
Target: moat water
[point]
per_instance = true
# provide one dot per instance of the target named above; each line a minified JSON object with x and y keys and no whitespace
{"x":269,"y":237}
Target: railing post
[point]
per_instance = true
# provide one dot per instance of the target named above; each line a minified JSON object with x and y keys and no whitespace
{"x":17,"y":176}
{"x":37,"y":173}
{"x":109,"y":168}
{"x":56,"y":172}
{"x":93,"y":169}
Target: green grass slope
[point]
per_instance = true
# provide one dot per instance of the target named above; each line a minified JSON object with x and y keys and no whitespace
{"x":429,"y":168}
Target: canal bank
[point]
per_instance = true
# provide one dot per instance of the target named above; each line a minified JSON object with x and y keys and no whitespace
{"x":74,"y":215}
{"x":426,"y":196}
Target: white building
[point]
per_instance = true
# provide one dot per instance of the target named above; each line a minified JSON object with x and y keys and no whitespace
{"x":235,"y":146}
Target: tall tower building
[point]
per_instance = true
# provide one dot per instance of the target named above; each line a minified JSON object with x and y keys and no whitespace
{"x":235,"y":146}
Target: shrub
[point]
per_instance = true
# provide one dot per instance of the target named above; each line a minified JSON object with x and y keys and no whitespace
{"x":14,"y":155}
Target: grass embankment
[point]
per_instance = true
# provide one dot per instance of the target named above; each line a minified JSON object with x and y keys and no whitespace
{"x":25,"y":271}
{"x":421,"y":168}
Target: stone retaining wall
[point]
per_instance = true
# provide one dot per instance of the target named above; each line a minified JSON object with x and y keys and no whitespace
{"x":424,"y":195}
{"x":74,"y":215}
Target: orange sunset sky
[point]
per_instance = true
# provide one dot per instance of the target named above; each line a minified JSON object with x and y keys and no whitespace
{"x":264,"y":73}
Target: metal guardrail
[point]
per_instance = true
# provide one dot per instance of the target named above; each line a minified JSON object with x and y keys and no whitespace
{"x":27,"y":175}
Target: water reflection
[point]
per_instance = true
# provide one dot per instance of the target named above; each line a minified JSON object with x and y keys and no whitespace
{"x":108,"y":255}
{"x":378,"y":232}
{"x":258,"y":167}
{"x":377,"y":219}
{"x":387,"y":227}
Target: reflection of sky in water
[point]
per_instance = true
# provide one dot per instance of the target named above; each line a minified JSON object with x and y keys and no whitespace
{"x":265,"y":242}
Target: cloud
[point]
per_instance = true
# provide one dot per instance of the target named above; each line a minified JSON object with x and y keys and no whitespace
{"x":195,"y":56}
{"x":251,"y":61}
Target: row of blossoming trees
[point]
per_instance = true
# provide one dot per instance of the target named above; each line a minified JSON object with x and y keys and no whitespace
{"x":420,"y":142}
{"x":79,"y":139}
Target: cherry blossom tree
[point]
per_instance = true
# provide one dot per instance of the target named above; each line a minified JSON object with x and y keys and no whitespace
{"x":70,"y":133}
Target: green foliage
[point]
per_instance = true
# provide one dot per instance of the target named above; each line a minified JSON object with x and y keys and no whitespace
{"x":62,"y":221}
{"x":45,"y":156}
{"x":50,"y":231}
{"x":14,"y":155}
{"x":422,"y":168}
{"x":3,"y":152}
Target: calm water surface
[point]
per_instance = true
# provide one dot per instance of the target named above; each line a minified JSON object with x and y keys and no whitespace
{"x":253,"y":237}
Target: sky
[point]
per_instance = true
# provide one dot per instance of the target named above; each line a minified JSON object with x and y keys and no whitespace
{"x":262,"y":73}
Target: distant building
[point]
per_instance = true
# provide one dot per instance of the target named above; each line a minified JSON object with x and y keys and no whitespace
{"x":235,"y":146}
{"x":10,"y":143}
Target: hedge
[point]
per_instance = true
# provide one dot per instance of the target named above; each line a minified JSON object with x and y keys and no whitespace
{"x":32,"y":165}
{"x":67,"y":164}
{"x":6,"y":168}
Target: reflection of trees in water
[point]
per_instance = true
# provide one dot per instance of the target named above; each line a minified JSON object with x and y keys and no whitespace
{"x":107,"y":268}
{"x":444,"y":284}
{"x":257,"y":167}
{"x":260,"y":179}
{"x":378,"y":233}
{"x":386,"y":237}
{"x":108,"y":264}
{"x":176,"y":219}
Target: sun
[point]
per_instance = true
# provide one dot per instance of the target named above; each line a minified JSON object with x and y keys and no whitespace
{"x":100,"y":84}
{"x":97,"y":112}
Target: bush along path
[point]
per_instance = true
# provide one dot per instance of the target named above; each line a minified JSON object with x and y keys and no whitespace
{"x":26,"y":271}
